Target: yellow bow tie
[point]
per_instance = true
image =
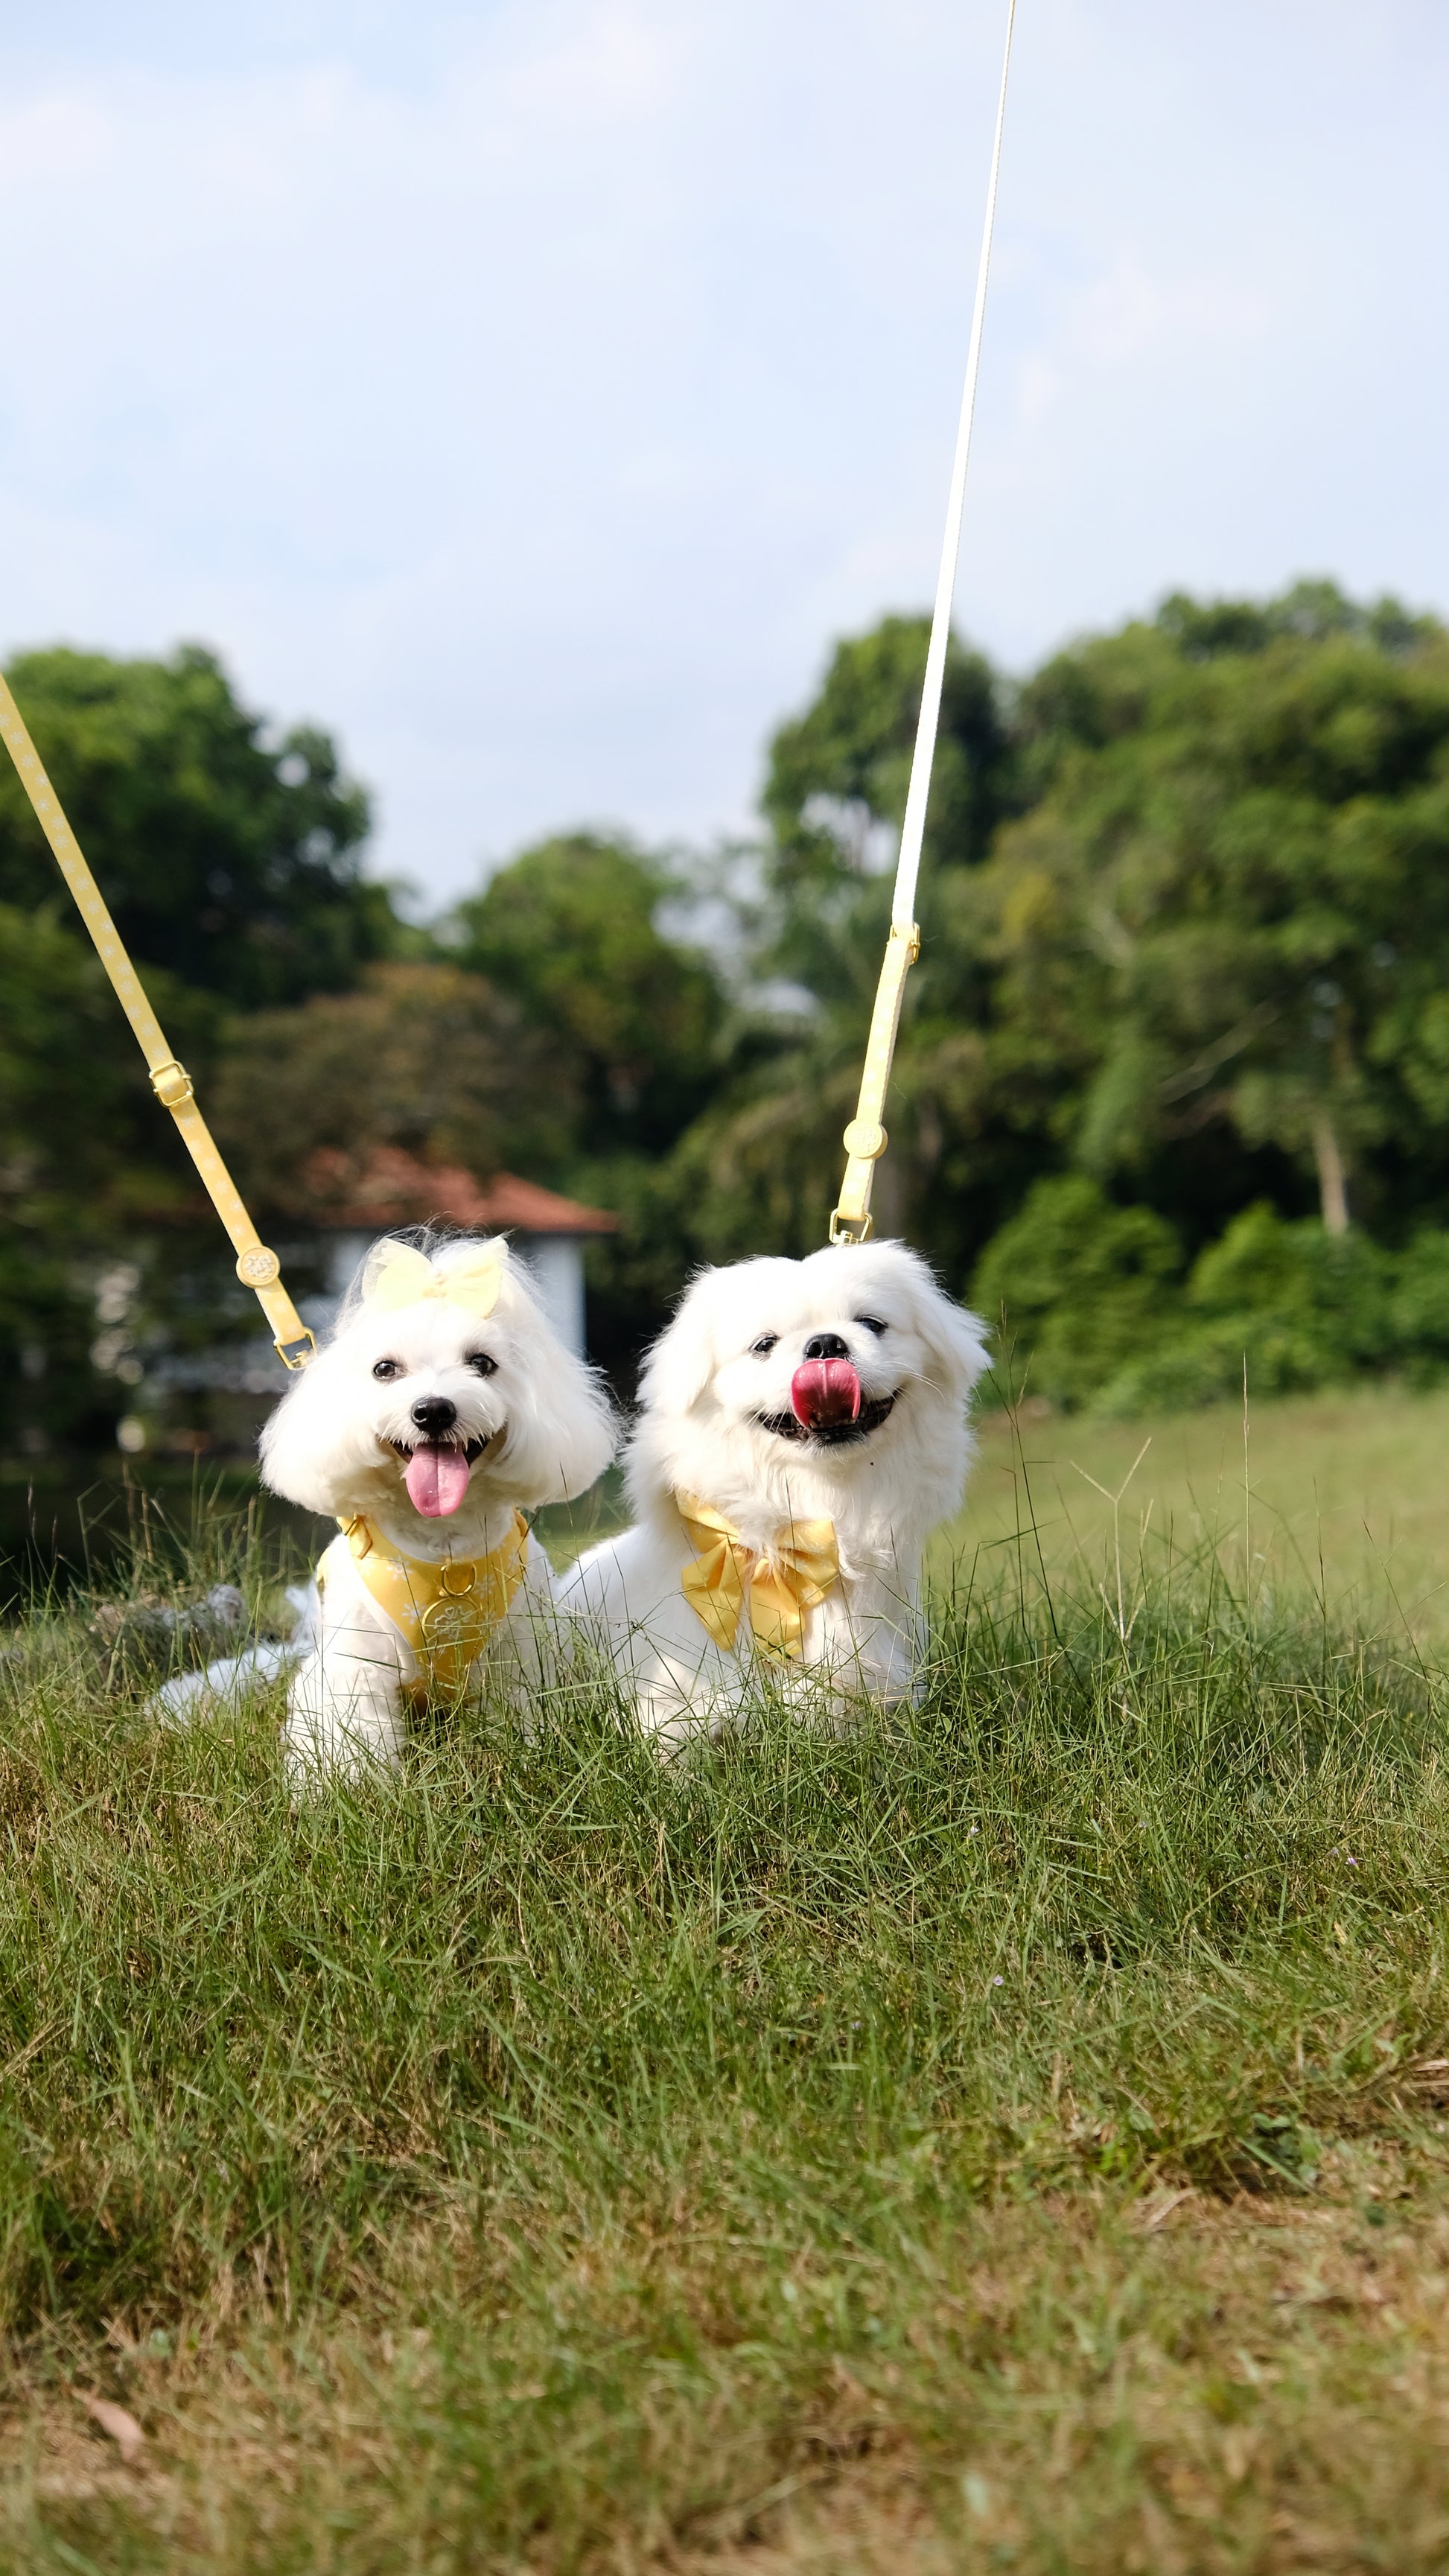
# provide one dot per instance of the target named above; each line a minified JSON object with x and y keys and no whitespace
{"x":403,"y":1277}
{"x":785,"y":1581}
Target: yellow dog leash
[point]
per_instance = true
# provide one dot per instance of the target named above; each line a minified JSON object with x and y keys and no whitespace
{"x":865,"y":1138}
{"x":257,"y":1266}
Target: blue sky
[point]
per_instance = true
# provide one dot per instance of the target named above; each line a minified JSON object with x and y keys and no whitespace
{"x":531,"y":392}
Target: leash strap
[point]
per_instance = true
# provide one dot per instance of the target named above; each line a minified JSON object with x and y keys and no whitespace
{"x":257,"y":1266}
{"x":865,"y":1138}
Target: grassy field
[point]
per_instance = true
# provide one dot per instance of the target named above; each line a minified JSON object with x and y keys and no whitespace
{"x":1011,"y":2136}
{"x":1344,"y":1496}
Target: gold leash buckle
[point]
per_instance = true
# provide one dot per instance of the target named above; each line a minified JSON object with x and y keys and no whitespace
{"x":172,"y":1085}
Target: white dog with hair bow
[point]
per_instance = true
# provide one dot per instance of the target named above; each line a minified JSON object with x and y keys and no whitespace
{"x":441,"y":1410}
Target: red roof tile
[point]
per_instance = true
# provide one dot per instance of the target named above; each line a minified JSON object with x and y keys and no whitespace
{"x":396,"y":1189}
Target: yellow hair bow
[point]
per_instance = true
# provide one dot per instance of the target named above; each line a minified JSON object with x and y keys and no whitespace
{"x":793,"y":1576}
{"x":398,"y":1276}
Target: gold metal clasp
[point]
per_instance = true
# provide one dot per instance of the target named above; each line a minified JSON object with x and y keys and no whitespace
{"x":306,"y":1349}
{"x":865,"y":1138}
{"x":172,"y":1085}
{"x":850,"y":1229}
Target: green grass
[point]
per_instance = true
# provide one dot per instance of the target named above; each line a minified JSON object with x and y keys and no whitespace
{"x":1347,"y":1496}
{"x":1007,"y":2135}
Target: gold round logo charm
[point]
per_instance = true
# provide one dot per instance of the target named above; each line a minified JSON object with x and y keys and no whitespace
{"x":258,"y":1267}
{"x":454,"y":1621}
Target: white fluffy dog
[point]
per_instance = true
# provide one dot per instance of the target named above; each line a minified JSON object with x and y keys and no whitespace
{"x":442,"y":1409}
{"x":803,"y":1430}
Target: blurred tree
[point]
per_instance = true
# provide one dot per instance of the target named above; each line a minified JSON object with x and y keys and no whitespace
{"x":642,"y":1033}
{"x":764,"y":1165}
{"x":1186,"y":916}
{"x":87,"y":1164}
{"x":1232,"y":903}
{"x":1077,"y":1287}
{"x":1204,"y":958}
{"x":233,"y":864}
{"x":427,"y":1057}
{"x":571,"y":931}
{"x":835,"y":787}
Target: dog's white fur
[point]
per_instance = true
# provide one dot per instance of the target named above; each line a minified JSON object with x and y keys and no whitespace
{"x":706,"y":1392}
{"x":549,"y":1432}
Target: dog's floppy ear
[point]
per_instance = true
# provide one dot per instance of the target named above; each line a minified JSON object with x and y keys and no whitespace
{"x":563,"y":1430}
{"x":682,"y":1361}
{"x":300,"y":1439}
{"x":956,"y":1340}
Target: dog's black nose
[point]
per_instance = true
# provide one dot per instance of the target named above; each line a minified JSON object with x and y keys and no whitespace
{"x":826,"y":1346}
{"x":434,"y":1415}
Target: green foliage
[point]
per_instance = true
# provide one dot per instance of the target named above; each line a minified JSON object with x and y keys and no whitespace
{"x":427,"y":1058}
{"x":232,"y":864}
{"x":87,"y":1166}
{"x":232,"y":870}
{"x":1076,"y":1287}
{"x":1236,"y":887}
{"x":1289,"y":1304}
{"x":1186,"y":925}
{"x":1203,"y":960}
{"x":835,"y":790}
{"x":633,"y":1018}
{"x":1095,"y":1312}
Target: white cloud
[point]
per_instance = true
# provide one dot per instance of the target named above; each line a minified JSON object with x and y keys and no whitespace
{"x":532,"y":394}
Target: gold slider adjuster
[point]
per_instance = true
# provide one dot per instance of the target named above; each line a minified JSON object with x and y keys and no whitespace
{"x":172,"y":1085}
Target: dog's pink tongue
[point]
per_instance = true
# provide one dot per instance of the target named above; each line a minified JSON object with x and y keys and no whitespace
{"x":824,"y":1392}
{"x":437,"y":1480}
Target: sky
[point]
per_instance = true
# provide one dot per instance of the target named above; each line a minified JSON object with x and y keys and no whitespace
{"x":532,"y":392}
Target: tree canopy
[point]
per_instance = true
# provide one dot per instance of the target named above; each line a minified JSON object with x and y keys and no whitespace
{"x":422,"y":1055}
{"x":1177,"y":1051}
{"x":1202,"y":959}
{"x":570,"y":929}
{"x":231,"y":861}
{"x":1230,"y":907}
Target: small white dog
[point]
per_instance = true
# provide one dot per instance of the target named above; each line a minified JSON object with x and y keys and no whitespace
{"x":804,"y":1429}
{"x":442,"y":1409}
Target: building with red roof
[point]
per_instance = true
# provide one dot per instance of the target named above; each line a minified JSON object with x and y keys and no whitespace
{"x":395,"y":1190}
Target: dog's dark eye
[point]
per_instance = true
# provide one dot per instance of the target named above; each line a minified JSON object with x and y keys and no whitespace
{"x":387,"y":1368}
{"x":480,"y":1362}
{"x":763,"y":1347}
{"x":872,"y":1323}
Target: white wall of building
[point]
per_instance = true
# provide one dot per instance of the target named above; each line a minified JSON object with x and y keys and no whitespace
{"x":555,"y":1263}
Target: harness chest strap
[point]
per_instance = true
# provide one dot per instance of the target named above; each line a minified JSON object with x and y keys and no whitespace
{"x":801,"y":1566}
{"x":445,"y":1613}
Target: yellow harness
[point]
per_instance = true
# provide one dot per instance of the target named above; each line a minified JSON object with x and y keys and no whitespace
{"x":801,"y":1566}
{"x":445,"y":1613}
